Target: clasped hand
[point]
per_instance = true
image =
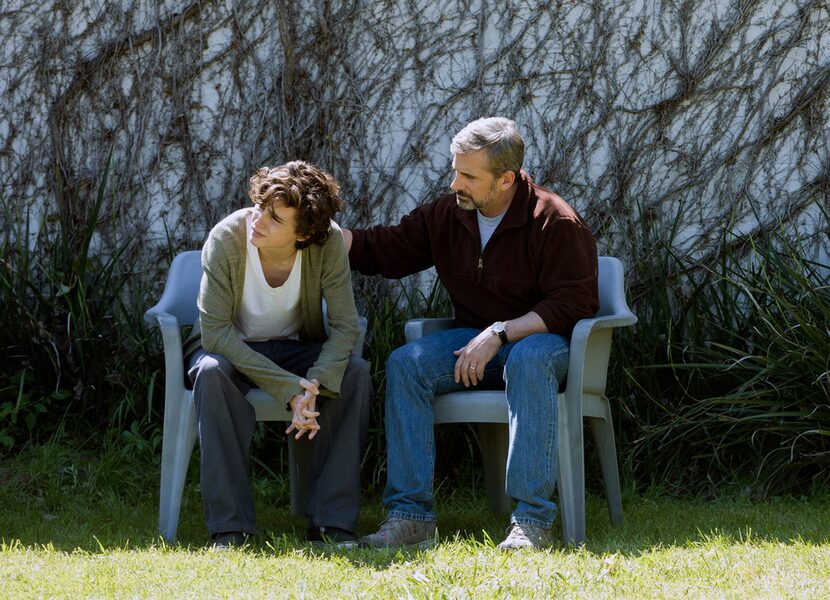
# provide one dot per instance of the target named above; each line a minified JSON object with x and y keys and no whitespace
{"x":473,"y":358}
{"x":304,"y":410}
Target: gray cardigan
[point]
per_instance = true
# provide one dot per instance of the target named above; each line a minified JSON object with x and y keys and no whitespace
{"x":325,"y":275}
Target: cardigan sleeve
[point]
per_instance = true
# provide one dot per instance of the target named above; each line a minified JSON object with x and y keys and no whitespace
{"x":217,"y":294}
{"x":336,"y":288}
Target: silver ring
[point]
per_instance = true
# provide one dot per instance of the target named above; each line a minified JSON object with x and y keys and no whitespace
{"x":473,"y":367}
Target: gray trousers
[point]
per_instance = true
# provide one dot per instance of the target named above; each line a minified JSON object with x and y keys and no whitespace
{"x":226,"y":424}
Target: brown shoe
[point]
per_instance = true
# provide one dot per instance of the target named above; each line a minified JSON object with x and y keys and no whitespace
{"x":396,"y":532}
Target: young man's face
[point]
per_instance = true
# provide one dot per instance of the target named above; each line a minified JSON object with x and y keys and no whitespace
{"x":474,"y":185}
{"x":274,"y":231}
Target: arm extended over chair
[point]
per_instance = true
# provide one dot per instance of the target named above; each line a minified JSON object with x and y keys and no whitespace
{"x":584,"y":397}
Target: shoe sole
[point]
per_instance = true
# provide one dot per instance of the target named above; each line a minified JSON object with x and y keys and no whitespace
{"x":226,"y":547}
{"x":516,"y":548}
{"x":423,"y":545}
{"x":336,"y":545}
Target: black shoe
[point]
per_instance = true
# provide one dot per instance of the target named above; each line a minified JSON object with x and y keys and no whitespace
{"x":228,"y":539}
{"x":332,"y":537}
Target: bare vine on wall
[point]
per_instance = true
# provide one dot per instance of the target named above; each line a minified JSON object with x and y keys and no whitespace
{"x":706,"y":114}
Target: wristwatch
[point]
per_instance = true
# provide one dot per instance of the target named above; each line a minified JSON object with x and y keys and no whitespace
{"x":497,"y":328}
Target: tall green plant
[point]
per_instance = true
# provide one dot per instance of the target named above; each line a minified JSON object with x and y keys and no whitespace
{"x":744,"y":393}
{"x":75,"y":346}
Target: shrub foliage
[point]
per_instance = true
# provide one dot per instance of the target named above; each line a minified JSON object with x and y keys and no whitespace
{"x":75,"y":352}
{"x":726,"y":379}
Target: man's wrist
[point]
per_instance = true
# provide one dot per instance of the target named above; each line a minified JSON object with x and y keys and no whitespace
{"x":498,"y":330}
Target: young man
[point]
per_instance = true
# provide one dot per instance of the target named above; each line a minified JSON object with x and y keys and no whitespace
{"x":267,"y":269}
{"x":520,"y":267}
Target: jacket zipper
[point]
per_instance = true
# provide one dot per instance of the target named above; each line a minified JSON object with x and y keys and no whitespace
{"x":480,"y":268}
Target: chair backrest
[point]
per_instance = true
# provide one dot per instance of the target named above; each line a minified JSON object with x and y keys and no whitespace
{"x":611,"y":287}
{"x":612,"y":304}
{"x":182,"y":287}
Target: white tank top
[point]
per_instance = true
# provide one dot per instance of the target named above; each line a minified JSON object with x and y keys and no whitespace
{"x":268,"y":313}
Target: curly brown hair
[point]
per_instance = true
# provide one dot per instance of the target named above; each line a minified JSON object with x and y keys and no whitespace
{"x":297,"y":184}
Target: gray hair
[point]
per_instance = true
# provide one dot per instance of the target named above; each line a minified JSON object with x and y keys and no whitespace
{"x":499,"y":137}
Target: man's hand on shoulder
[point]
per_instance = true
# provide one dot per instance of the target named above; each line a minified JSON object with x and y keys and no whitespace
{"x":347,"y":237}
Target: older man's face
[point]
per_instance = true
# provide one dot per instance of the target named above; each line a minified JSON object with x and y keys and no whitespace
{"x":474,"y":185}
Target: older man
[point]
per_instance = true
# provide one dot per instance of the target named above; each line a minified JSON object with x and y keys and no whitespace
{"x":520,"y":267}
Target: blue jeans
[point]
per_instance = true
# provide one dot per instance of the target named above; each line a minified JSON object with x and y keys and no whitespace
{"x":530,"y":370}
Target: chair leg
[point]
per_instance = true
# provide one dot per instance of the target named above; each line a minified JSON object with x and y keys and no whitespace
{"x":571,"y":470}
{"x":493,"y":440}
{"x":603,"y":431}
{"x":299,"y":468}
{"x":177,"y":447}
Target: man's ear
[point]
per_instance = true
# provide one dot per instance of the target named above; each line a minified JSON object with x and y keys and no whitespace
{"x":507,"y":179}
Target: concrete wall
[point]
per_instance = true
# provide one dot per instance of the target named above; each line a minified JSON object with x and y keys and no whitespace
{"x":668,"y":120}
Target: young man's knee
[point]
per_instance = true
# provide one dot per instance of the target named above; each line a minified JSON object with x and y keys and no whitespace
{"x":358,"y":378}
{"x":209,"y":367}
{"x":358,"y":368}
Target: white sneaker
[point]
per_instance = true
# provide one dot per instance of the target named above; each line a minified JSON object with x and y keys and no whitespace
{"x":522,"y":535}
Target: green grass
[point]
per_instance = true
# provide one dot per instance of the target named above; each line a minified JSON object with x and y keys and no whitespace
{"x":78,"y":524}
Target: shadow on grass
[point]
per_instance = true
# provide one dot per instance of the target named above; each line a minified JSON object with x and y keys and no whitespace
{"x":68,"y":519}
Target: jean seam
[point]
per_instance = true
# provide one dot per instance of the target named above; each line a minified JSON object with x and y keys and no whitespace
{"x":552,"y":363}
{"x":531,"y":522}
{"x":423,"y":518}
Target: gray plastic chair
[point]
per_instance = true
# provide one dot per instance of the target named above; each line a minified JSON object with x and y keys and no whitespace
{"x":175,"y":309}
{"x":584,"y":397}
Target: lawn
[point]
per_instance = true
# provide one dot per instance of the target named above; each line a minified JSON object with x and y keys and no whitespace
{"x":85,"y":526}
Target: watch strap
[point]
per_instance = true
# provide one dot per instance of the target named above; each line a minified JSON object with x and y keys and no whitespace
{"x":499,"y":331}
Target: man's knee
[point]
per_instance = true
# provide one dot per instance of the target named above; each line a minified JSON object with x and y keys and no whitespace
{"x":357,"y":378}
{"x":403,"y":359}
{"x":213,"y":377}
{"x":538,"y":354}
{"x":208,"y":368}
{"x":525,"y":352}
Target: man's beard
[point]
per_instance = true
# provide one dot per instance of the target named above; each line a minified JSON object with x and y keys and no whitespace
{"x":465,"y":202}
{"x":469,"y":203}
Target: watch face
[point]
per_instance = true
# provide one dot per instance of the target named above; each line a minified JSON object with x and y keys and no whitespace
{"x":497,"y":328}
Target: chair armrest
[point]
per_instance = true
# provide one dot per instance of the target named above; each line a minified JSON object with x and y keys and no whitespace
{"x":362,"y":324}
{"x":582,"y":332}
{"x":610,"y":321}
{"x":418,"y":328}
{"x":171,"y":337}
{"x":152,"y":314}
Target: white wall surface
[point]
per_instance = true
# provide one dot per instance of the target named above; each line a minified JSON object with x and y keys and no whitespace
{"x":642,"y":113}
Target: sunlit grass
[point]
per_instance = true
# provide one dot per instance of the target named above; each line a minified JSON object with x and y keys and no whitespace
{"x":100,"y":540}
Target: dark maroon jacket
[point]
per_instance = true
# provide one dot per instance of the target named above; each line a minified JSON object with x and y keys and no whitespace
{"x":542,"y":257}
